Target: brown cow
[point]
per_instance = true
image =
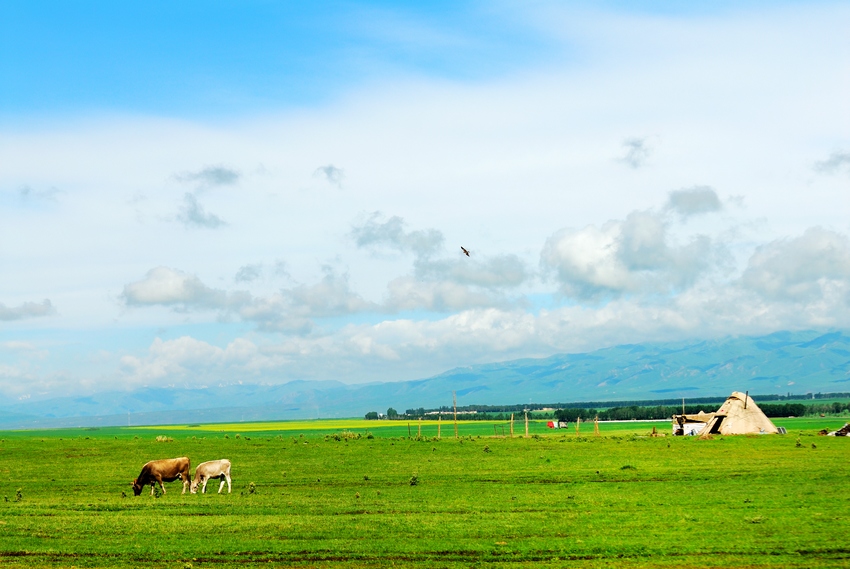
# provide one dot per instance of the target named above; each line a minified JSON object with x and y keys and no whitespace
{"x":166,"y":470}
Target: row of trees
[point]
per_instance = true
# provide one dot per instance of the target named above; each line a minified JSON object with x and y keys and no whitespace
{"x":624,"y":413}
{"x":634,"y":412}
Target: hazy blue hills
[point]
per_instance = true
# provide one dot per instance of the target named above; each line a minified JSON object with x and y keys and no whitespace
{"x":796,"y":362}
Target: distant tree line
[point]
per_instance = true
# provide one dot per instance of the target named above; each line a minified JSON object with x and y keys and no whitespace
{"x":634,"y":412}
{"x":623,"y":411}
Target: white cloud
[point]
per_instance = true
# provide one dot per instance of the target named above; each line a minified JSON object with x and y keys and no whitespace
{"x":629,"y":256}
{"x":171,"y":287}
{"x":376,"y":232}
{"x":290,"y":310}
{"x":27,"y":310}
{"x":296,"y":309}
{"x":248,"y":273}
{"x":835,"y":163}
{"x":183,"y":359}
{"x":331,"y":174}
{"x":332,"y":296}
{"x":637,"y":152}
{"x":27,"y":194}
{"x":813,"y":266}
{"x":408,"y":293}
{"x":192,"y":214}
{"x":439,"y":283}
{"x":502,"y":271}
{"x":694,"y":201}
{"x":210,"y":176}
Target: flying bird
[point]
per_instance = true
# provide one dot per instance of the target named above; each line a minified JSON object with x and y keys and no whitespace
{"x":465,"y":252}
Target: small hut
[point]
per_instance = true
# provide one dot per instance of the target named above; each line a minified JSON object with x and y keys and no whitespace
{"x":685,"y":425}
{"x":739,"y":415}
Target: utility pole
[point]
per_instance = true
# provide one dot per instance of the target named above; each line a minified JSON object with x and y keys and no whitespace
{"x":454,"y":404}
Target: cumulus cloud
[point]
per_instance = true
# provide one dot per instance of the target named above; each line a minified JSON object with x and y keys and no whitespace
{"x":502,"y":271}
{"x":192,"y":214}
{"x":27,"y":310}
{"x":408,"y":293}
{"x":438,"y":284}
{"x":637,"y":152}
{"x":788,"y":284}
{"x":289,"y":310}
{"x":296,"y":308}
{"x":210,"y":176}
{"x":249,"y":273}
{"x":376,"y":232}
{"x":629,"y":256}
{"x":332,"y":296}
{"x":803,"y":269}
{"x":253,"y":272}
{"x":331,"y":174}
{"x":693,"y":201}
{"x":836,"y":162}
{"x":186,"y":358}
{"x":171,"y":287}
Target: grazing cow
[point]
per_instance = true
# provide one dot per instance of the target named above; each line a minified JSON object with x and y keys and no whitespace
{"x":166,"y":470}
{"x":211,"y":469}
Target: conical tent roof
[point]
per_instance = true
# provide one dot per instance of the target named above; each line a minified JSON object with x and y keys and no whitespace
{"x":739,"y":415}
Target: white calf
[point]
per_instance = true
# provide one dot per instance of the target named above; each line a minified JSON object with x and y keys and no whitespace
{"x":211,"y":469}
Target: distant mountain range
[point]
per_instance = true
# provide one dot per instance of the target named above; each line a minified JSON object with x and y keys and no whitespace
{"x":796,"y":362}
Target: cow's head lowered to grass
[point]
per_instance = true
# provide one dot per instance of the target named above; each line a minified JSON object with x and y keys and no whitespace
{"x":159,"y":471}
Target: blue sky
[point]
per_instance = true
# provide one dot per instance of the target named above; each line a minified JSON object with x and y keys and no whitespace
{"x":202,"y":193}
{"x":231,"y":59}
{"x":203,"y":59}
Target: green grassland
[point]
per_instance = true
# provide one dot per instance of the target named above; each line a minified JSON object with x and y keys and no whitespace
{"x":365,"y":494}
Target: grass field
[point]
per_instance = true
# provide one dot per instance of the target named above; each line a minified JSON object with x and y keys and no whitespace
{"x":364,"y":494}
